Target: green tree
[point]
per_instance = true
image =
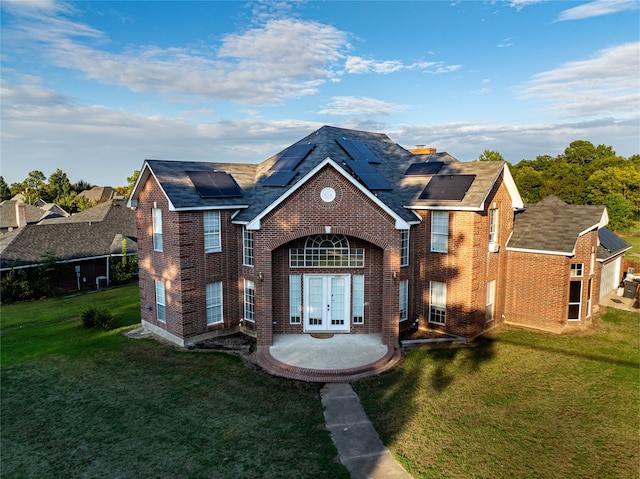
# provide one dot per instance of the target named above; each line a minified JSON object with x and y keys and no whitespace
{"x":34,"y":186}
{"x":5,"y":192}
{"x":580,"y":152}
{"x":490,"y":155}
{"x":131,"y":182}
{"x":529,"y":183}
{"x":59,"y":185}
{"x":81,"y":186}
{"x":619,"y":211}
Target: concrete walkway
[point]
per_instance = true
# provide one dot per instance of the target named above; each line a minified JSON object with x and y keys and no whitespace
{"x":358,"y":444}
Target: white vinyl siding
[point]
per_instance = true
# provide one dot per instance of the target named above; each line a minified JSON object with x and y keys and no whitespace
{"x":249,"y":301}
{"x":357,"y":298}
{"x":156,"y":217}
{"x":295,"y":298}
{"x":440,"y":231}
{"x":212,"y":231}
{"x":437,"y":302}
{"x":404,"y":300}
{"x":404,"y":247}
{"x":161,"y":305}
{"x":214,"y":303}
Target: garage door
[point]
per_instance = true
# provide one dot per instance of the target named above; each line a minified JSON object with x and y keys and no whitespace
{"x":610,"y":277}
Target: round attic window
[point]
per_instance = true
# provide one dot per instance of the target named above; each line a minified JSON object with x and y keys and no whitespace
{"x":328,"y":194}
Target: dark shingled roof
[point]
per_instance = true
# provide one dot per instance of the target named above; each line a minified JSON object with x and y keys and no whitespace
{"x":394,"y":161}
{"x":9,"y":218}
{"x":98,"y":231}
{"x":553,"y":226}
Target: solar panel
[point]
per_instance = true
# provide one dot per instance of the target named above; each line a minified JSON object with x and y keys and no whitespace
{"x":610,"y":241}
{"x":358,"y":151}
{"x":447,"y":187}
{"x":292,"y":157}
{"x":214,"y":184}
{"x":368,"y":175}
{"x":423,"y":169}
{"x":280,"y":178}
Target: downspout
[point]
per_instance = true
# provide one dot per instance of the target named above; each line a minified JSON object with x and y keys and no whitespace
{"x":108,"y":271}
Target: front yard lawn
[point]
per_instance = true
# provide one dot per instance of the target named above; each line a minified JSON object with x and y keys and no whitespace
{"x":520,"y":404}
{"x":80,"y":402}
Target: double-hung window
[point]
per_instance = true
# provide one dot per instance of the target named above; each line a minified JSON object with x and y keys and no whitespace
{"x":156,"y":217}
{"x":440,"y":231}
{"x":161,"y":305}
{"x":493,"y":225}
{"x":404,"y":247}
{"x":247,"y":247}
{"x":491,"y":297}
{"x":212,"y":231}
{"x":437,"y":302}
{"x":404,"y":300}
{"x":249,"y":301}
{"x":214,"y":303}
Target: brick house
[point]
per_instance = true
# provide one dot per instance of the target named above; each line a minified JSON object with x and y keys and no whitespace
{"x":343,"y":232}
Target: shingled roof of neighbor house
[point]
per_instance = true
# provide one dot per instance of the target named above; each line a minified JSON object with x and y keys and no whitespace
{"x":96,"y":232}
{"x":9,"y":217}
{"x":553,"y":226}
{"x":372,"y":160}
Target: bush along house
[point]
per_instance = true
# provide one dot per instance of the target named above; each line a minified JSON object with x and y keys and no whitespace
{"x":347,"y":232}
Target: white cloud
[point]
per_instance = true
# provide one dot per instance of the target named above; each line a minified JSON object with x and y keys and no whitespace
{"x":520,"y":4}
{"x":603,"y":85}
{"x":596,"y":9}
{"x":359,"y":65}
{"x":357,"y":105}
{"x":252,"y":67}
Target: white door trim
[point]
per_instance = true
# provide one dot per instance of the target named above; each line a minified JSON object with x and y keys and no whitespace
{"x":327,"y":302}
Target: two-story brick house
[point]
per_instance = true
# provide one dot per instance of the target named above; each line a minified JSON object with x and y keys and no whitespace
{"x":343,"y":232}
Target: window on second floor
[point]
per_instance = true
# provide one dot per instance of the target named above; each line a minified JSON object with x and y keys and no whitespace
{"x":440,"y":231}
{"x":404,"y":247}
{"x":576,"y":269}
{"x":156,"y":217}
{"x":247,"y":247}
{"x":493,"y":225}
{"x":212,"y":231}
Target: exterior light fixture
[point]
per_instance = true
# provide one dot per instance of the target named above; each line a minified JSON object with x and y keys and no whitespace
{"x":261,"y":276}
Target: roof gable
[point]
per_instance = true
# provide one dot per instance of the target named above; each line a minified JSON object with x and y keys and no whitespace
{"x":553,"y":227}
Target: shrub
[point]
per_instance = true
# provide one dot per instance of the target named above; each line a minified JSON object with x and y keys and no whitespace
{"x":94,"y":317}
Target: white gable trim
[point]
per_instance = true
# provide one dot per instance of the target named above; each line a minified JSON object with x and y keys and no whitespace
{"x":254,"y":224}
{"x":142,"y":179}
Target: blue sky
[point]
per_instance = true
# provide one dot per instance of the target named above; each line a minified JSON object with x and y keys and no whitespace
{"x":94,"y":88}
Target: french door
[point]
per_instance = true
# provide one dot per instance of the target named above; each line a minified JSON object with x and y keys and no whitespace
{"x":327,"y":302}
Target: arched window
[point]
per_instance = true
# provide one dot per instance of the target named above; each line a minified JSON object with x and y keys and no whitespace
{"x":326,"y":251}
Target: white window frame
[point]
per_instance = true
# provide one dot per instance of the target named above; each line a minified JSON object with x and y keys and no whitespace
{"x":592,"y":262}
{"x":156,"y":219}
{"x":403,"y":299}
{"x":577,"y":270}
{"x":489,"y":310}
{"x":214,"y":303}
{"x":575,"y":303}
{"x":249,"y":301}
{"x":161,"y":302}
{"x":247,"y":247}
{"x":295,"y":299}
{"x":404,"y":247}
{"x":440,"y":231}
{"x":437,"y":302}
{"x":212,"y":237}
{"x":357,"y":299}
{"x":589,"y":296}
{"x":493,"y":225}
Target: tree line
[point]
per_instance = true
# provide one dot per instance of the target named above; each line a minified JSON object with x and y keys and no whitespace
{"x":583,"y":174}
{"x":56,"y":189}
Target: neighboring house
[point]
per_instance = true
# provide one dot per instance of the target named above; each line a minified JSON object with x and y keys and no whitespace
{"x":15,"y":213}
{"x":98,"y":194}
{"x":52,"y":208}
{"x":347,"y":232}
{"x":84,"y":242}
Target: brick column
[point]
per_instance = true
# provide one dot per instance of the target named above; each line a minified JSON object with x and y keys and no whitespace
{"x":391,"y":303}
{"x":263,"y":296}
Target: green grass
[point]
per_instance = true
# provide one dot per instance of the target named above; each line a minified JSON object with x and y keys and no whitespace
{"x":80,"y":402}
{"x":521,"y":404}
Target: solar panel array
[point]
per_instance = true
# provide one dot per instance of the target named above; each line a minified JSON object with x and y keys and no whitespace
{"x":360,"y":164}
{"x":215,"y":184}
{"x":447,"y":187}
{"x":283,"y":169}
{"x":610,"y":241}
{"x":423,"y":169}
